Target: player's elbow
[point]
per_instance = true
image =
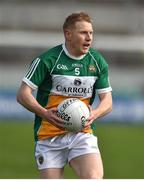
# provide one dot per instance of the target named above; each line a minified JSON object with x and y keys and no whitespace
{"x":110,"y":106}
{"x":18,"y":97}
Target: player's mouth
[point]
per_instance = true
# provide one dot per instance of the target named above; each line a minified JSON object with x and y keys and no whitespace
{"x":86,"y":46}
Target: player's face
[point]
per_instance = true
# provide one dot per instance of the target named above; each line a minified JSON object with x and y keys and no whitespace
{"x":81,"y":38}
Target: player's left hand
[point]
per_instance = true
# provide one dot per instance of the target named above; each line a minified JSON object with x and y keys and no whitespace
{"x":91,"y":118}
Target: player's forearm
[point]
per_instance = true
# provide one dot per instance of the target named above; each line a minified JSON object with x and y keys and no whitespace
{"x":29,"y":102}
{"x":104,"y":107}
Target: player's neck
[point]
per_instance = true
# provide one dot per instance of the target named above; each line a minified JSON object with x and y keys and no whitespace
{"x":71,"y":52}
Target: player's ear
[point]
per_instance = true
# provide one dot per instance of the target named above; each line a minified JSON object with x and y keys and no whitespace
{"x":68,"y":34}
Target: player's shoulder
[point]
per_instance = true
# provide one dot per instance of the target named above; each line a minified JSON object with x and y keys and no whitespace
{"x":97,"y":56}
{"x":51,"y":53}
{"x":95,"y":53}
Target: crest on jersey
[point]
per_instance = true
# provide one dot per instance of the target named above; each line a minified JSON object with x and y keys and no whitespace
{"x":77,"y":82}
{"x":92,"y":68}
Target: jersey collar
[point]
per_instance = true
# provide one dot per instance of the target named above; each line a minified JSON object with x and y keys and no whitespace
{"x":69,"y":55}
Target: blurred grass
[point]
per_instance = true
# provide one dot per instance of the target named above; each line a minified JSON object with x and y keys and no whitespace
{"x":121,"y":146}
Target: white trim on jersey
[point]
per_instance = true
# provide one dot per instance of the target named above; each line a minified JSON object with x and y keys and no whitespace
{"x":32,"y":68}
{"x":56,"y":61}
{"x":104,"y":90}
{"x":29,"y":83}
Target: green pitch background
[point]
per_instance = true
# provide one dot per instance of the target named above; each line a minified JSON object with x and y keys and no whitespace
{"x":122,"y":149}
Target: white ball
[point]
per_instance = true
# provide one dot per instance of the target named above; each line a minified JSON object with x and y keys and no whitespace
{"x":74,"y":112}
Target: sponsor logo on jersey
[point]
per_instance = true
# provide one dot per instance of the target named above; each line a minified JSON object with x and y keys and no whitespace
{"x":62,"y":66}
{"x":92,"y":68}
{"x":73,"y":86}
{"x":74,"y":91}
{"x":77,"y":82}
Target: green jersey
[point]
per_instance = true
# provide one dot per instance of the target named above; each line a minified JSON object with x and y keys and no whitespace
{"x":57,"y":75}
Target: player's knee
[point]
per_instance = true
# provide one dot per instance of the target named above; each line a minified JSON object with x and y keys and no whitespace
{"x":92,"y":175}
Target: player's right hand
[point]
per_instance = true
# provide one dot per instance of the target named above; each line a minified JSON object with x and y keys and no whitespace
{"x":51,"y":116}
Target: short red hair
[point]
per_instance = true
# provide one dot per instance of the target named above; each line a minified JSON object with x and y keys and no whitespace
{"x":75,"y":17}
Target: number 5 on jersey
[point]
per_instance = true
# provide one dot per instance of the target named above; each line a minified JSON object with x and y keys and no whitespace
{"x":77,"y":71}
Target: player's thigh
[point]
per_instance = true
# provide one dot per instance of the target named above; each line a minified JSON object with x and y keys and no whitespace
{"x":52,"y":173}
{"x":88,"y":166}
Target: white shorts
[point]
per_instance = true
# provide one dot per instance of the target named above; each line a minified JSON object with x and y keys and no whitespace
{"x":57,"y":151}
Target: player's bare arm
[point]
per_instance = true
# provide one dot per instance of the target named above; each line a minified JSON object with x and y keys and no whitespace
{"x":26,"y":98}
{"x":104,"y":107}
